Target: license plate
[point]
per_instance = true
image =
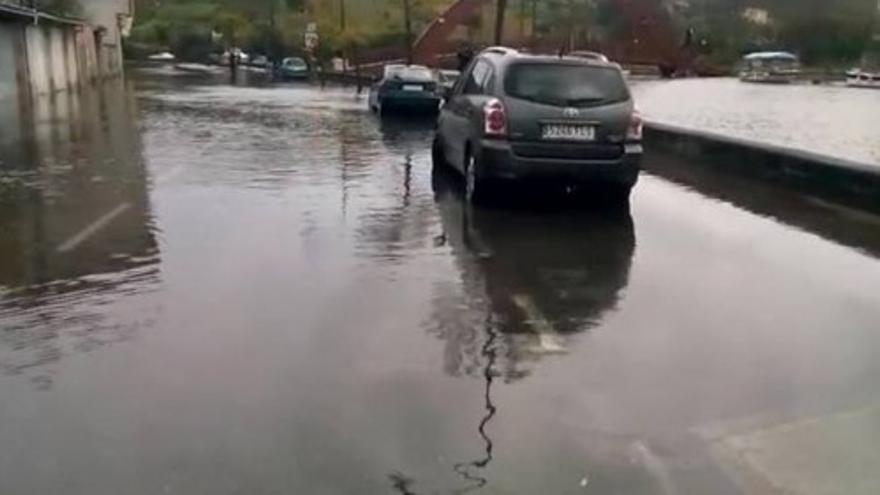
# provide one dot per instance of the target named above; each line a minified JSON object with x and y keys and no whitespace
{"x":568,"y":132}
{"x":412,"y":87}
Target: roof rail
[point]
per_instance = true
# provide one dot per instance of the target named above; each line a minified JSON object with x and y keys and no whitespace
{"x":500,"y":50}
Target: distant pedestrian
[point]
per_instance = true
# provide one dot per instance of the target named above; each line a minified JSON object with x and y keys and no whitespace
{"x":233,"y":64}
{"x":689,"y":37}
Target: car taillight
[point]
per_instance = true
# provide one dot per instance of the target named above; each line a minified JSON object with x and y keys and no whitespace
{"x":636,"y":125}
{"x":494,"y":118}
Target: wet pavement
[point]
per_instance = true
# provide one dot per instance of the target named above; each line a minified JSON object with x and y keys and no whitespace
{"x":211,"y":290}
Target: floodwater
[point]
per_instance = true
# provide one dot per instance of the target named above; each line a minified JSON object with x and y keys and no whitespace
{"x":832,"y":120}
{"x":208,"y":289}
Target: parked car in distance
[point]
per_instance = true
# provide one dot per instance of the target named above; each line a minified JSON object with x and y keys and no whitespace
{"x":241,"y":58}
{"x":294,"y":68}
{"x":162,"y":57}
{"x":589,"y":55}
{"x":405,"y":88}
{"x":520,"y":116}
{"x":770,"y":68}
{"x":260,"y":61}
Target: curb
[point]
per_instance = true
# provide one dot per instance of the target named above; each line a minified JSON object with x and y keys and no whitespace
{"x":845,"y":181}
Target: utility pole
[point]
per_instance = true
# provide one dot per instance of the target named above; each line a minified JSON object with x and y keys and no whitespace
{"x":500,"y":10}
{"x":407,"y":21}
{"x":522,"y":19}
{"x":342,"y":15}
{"x":571,"y":20}
{"x":534,"y":21}
{"x":272,"y":45}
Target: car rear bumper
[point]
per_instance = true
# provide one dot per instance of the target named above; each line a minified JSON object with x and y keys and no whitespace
{"x":410,"y":99}
{"x":498,"y":161}
{"x":294,"y":74}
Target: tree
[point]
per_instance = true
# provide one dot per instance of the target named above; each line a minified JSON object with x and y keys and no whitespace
{"x":70,"y":8}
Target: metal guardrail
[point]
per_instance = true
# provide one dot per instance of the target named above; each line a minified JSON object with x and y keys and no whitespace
{"x":17,"y":8}
{"x":23,"y":5}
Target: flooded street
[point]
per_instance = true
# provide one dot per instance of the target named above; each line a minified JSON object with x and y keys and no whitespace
{"x":208,"y":289}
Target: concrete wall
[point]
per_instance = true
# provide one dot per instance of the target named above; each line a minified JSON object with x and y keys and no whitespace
{"x":41,"y":54}
{"x":86,"y":56}
{"x":11,"y":43}
{"x":50,"y":61}
{"x":73,"y":78}
{"x":104,"y":16}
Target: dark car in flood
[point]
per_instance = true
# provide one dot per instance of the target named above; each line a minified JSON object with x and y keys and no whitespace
{"x":405,"y":88}
{"x":539,"y":117}
{"x":294,"y":69}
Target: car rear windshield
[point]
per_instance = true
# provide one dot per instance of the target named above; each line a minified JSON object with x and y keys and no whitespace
{"x":419,"y":74}
{"x":572,"y":85}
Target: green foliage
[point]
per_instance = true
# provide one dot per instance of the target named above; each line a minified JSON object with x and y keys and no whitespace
{"x":830,"y":30}
{"x":820,"y":30}
{"x":64,"y":8}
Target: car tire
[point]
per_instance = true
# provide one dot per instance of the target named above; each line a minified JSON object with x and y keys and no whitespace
{"x":443,"y":181}
{"x":618,"y":194}
{"x":476,"y":189}
{"x":438,"y":157}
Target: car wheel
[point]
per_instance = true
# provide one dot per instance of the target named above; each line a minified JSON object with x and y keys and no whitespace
{"x":476,"y":190}
{"x":443,"y":181}
{"x":618,"y":194}
{"x":438,"y":158}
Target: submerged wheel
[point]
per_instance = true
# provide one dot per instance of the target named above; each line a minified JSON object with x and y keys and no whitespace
{"x":618,"y":194}
{"x":476,"y":189}
{"x":438,"y":157}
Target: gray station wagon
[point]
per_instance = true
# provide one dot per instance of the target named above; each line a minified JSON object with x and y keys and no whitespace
{"x":538,"y":117}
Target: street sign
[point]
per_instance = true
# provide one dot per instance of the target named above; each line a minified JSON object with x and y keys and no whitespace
{"x":311,"y":38}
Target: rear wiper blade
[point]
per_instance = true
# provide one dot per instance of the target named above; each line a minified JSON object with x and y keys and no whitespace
{"x":542,"y":100}
{"x":584,"y":101}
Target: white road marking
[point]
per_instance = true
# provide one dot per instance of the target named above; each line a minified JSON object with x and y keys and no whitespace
{"x":655,"y":467}
{"x":548,"y":336}
{"x":91,"y":229}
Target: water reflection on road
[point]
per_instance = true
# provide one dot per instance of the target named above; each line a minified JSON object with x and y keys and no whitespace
{"x":540,"y":275}
{"x":78,"y":159}
{"x":299,"y":304}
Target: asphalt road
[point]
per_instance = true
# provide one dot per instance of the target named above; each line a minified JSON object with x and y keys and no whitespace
{"x":217,"y":290}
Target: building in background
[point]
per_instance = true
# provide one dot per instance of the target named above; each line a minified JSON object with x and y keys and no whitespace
{"x":44,"y":51}
{"x":111,"y":22}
